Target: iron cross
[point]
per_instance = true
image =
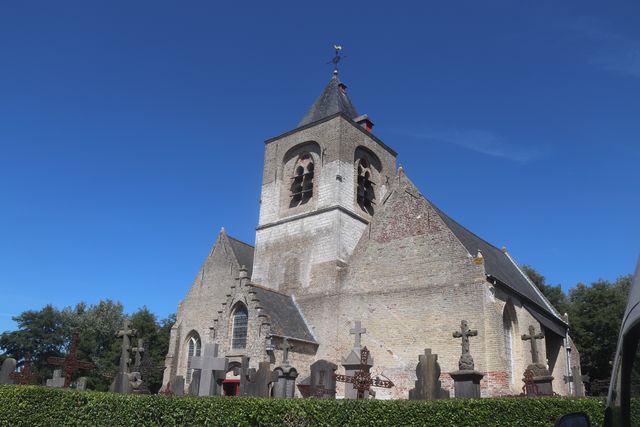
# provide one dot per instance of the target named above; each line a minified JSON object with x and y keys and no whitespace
{"x":358,"y":331}
{"x":361,"y":379}
{"x":70,"y":362}
{"x":534,"y":347}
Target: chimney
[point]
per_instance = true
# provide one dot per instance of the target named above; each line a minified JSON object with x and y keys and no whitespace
{"x":364,"y":121}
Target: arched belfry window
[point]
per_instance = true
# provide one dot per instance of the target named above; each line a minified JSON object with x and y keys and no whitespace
{"x":194,"y":346}
{"x":302,"y":180}
{"x":239,"y":328}
{"x":366,"y":193}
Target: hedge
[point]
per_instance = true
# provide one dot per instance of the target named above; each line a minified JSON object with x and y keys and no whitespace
{"x":39,"y":406}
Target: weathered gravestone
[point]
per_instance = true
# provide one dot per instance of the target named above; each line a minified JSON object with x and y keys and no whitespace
{"x":320,"y":383}
{"x":256,"y":383}
{"x":428,"y":386}
{"x":577,"y":388}
{"x":57,"y":381}
{"x":81,"y":383}
{"x":466,"y":379}
{"x":286,"y":375}
{"x":541,"y":376}
{"x":70,"y":362}
{"x":211,"y":370}
{"x":177,"y":386}
{"x":8,"y":368}
{"x":122,"y":383}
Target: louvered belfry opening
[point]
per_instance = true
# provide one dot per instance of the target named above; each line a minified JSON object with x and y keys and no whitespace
{"x":366,"y":195}
{"x":302,"y":180}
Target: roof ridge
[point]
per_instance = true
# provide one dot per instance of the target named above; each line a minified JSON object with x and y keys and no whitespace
{"x":240,"y":241}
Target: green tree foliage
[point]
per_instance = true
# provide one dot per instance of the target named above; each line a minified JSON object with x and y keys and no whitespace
{"x":553,"y":293}
{"x":41,"y":333}
{"x":595,"y":317}
{"x":47,"y":332}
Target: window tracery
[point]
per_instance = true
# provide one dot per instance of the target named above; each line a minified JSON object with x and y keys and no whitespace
{"x":194,"y":348}
{"x":240,"y":327}
{"x":365,"y":193}
{"x":302,"y":180}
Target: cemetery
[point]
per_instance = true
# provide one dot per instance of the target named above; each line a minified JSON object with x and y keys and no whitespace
{"x":273,"y":395}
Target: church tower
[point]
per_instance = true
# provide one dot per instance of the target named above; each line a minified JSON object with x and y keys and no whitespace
{"x":321,"y":186}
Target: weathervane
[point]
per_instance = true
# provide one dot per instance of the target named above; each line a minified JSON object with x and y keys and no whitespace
{"x":336,"y":58}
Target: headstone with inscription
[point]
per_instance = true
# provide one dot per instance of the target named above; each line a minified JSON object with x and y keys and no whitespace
{"x":256,"y":383}
{"x":320,"y":383}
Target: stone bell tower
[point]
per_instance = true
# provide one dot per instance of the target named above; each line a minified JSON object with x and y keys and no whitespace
{"x":321,"y":185}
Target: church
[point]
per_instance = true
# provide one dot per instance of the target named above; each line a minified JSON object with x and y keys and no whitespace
{"x":344,"y":236}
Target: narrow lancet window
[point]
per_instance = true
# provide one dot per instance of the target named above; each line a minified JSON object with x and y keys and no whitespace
{"x":302,"y":180}
{"x":194,"y":348}
{"x":239,"y":331}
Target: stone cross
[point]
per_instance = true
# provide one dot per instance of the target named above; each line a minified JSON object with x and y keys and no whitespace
{"x":70,"y":362}
{"x":125,"y":334}
{"x":285,"y":351}
{"x":358,"y":331}
{"x":138,"y":350}
{"x":534,"y":347}
{"x":428,"y":385}
{"x":362,"y":380}
{"x":209,"y":363}
{"x":466,"y":361}
{"x":256,"y":383}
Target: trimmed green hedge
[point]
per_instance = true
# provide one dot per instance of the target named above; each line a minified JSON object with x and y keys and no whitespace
{"x":39,"y":406}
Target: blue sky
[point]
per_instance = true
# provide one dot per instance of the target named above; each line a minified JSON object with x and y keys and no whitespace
{"x":130,"y":132}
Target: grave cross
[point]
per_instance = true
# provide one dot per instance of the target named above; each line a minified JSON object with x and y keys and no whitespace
{"x":24,"y":376}
{"x":70,"y":362}
{"x":534,"y":347}
{"x":361,"y":379}
{"x":125,"y":334}
{"x":285,"y":351}
{"x":358,"y":331}
{"x":209,"y":363}
{"x":138,"y":350}
{"x":465,"y":333}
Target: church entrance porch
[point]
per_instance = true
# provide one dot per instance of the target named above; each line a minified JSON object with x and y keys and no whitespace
{"x":231,"y":387}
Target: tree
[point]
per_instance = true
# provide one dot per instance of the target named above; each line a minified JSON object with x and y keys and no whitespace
{"x":41,"y":333}
{"x":553,"y":293}
{"x":595,"y":318}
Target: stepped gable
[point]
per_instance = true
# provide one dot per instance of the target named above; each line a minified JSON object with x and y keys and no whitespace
{"x":283,"y":313}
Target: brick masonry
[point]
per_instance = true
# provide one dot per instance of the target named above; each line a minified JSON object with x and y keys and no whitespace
{"x":402,"y":273}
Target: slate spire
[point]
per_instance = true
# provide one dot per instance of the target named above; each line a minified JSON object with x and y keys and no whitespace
{"x":332,"y":100}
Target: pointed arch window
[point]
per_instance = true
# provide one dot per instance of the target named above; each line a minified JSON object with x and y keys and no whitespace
{"x":507,"y":325}
{"x":366,"y":194}
{"x":240,"y":326}
{"x":302,"y":180}
{"x":194,"y":347}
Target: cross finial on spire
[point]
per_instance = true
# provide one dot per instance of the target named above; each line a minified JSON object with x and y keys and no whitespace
{"x":336,"y":59}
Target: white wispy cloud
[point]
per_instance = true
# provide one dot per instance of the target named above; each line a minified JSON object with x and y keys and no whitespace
{"x":610,"y":50}
{"x":485,"y":142}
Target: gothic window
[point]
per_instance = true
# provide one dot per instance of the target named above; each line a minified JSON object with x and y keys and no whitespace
{"x":365,"y":193}
{"x":239,"y":330}
{"x":302,"y":180}
{"x":507,"y":325}
{"x":194,"y":347}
